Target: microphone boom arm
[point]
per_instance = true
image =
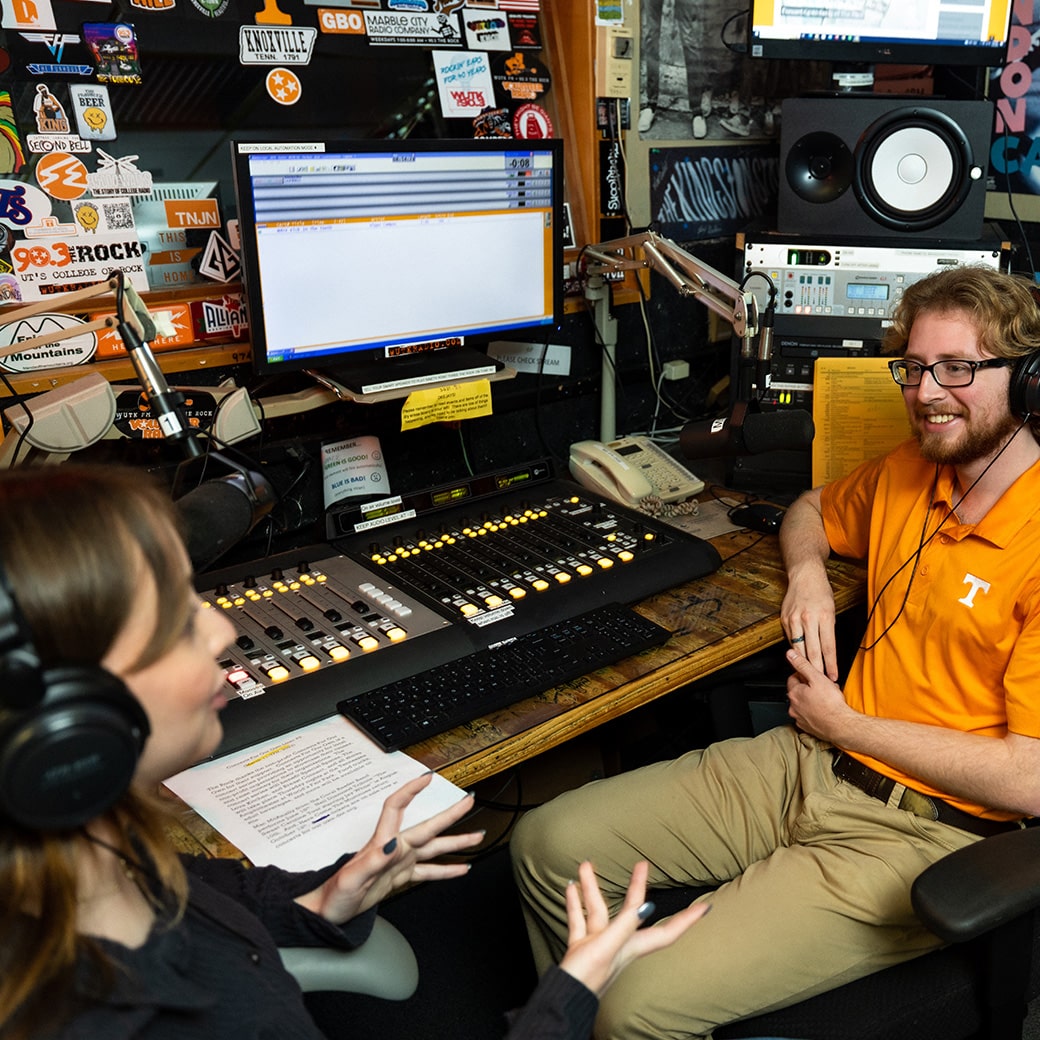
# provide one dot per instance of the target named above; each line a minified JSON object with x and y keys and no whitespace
{"x":688,"y":275}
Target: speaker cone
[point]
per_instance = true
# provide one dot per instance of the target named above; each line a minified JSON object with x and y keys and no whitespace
{"x":914,"y":169}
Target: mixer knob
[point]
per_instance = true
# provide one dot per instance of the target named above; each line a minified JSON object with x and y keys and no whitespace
{"x":304,"y":624}
{"x":303,"y":566}
{"x":245,"y":642}
{"x":249,"y":581}
{"x":220,"y":590}
{"x":333,"y":614}
{"x":274,"y":632}
{"x":277,"y":574}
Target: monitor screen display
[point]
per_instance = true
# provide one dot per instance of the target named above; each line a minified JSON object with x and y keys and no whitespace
{"x":369,"y":251}
{"x":919,"y":32}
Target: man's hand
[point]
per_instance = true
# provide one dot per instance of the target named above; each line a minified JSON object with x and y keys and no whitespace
{"x":816,"y":702}
{"x":807,"y":612}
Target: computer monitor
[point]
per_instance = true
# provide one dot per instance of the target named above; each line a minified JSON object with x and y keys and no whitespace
{"x":926,"y":32}
{"x":384,"y":263}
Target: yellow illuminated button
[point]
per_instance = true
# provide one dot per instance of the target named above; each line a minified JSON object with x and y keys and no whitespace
{"x":493,"y":601}
{"x":469,"y":609}
{"x":517,"y":593}
{"x":562,"y":577}
{"x":584,"y":570}
{"x":649,"y":536}
{"x":267,"y":593}
{"x":309,"y":663}
{"x":339,"y":653}
{"x":395,"y":635}
{"x":239,"y":601}
{"x":611,"y":537}
{"x":368,"y":643}
{"x":605,"y":562}
{"x":277,"y":672}
{"x":624,"y":556}
{"x":224,"y":601}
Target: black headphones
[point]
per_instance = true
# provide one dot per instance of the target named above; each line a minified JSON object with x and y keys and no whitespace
{"x":1024,"y":388}
{"x":70,"y":735}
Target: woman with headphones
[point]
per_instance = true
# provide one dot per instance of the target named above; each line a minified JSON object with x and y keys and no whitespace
{"x":109,"y":683}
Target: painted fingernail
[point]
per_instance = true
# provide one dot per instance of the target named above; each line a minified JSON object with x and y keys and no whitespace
{"x":389,"y":847}
{"x":645,"y":910}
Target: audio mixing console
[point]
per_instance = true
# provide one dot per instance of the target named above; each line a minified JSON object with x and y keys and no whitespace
{"x":393,"y":597}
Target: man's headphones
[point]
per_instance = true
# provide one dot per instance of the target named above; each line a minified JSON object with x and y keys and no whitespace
{"x":70,"y":735}
{"x":1024,"y":388}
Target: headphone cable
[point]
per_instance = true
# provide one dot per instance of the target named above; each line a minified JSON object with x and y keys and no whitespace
{"x":915,"y":558}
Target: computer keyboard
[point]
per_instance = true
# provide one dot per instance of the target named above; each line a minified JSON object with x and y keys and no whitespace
{"x":440,"y":698}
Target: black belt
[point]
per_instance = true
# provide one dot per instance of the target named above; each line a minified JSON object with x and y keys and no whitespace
{"x":877,"y":786}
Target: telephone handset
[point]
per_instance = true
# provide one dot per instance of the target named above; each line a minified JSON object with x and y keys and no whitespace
{"x":629,"y":469}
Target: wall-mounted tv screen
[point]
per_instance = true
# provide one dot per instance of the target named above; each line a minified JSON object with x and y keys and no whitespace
{"x":385,"y":263}
{"x":919,"y":32}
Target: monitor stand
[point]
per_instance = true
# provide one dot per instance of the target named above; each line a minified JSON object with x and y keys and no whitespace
{"x":453,"y":364}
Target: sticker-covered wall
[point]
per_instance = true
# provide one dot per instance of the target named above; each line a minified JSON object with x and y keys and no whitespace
{"x":115,"y":123}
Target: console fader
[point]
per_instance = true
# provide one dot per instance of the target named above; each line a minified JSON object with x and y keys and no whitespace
{"x":426,"y":588}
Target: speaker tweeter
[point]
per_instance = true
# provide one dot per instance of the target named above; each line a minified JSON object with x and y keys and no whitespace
{"x":912,"y":167}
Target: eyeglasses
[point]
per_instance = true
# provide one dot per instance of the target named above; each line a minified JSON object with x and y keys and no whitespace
{"x":945,"y":373}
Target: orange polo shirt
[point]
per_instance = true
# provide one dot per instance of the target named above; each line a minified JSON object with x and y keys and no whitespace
{"x":954,"y":635}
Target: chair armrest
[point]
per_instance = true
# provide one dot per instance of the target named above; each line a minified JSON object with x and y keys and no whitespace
{"x":981,"y":886}
{"x":383,"y":966}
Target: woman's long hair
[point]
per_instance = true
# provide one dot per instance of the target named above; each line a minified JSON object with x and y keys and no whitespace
{"x":75,"y":543}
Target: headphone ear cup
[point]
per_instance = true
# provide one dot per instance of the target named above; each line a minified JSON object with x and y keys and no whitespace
{"x":71,"y":756}
{"x":1024,"y":388}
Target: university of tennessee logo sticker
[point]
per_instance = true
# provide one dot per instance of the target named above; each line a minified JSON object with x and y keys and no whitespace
{"x":283,"y":85}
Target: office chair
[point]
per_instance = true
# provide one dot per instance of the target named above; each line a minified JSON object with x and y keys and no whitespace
{"x":384,"y":966}
{"x":983,"y":901}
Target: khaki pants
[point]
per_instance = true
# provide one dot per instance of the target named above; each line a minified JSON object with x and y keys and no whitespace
{"x":815,"y":879}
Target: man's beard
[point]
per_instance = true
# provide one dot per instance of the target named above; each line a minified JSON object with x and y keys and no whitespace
{"x":979,"y":443}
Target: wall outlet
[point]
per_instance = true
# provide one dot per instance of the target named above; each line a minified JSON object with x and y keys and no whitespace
{"x":676,"y":369}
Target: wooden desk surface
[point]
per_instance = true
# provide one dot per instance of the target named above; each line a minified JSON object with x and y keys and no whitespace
{"x":717,"y":621}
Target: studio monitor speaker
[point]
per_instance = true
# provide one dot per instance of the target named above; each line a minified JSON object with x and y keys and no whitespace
{"x":883,"y":167}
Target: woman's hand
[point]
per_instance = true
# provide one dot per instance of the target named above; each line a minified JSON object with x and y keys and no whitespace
{"x":393,"y":858}
{"x":598,"y":947}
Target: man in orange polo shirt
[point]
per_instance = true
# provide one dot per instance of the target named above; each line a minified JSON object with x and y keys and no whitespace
{"x":815,"y":832}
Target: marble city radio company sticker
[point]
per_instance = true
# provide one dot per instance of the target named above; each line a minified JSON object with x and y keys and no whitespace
{"x":283,"y":86}
{"x":519,"y":77}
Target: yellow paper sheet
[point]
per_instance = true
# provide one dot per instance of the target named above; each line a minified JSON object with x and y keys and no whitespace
{"x":446,"y":403}
{"x":858,"y":412}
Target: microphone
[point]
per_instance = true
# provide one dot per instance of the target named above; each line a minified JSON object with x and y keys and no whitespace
{"x":218,"y":514}
{"x":163,"y":402}
{"x":764,"y":361}
{"x":747,"y":433}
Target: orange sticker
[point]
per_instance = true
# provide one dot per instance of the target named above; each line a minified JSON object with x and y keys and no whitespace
{"x":177,"y":315}
{"x":336,"y":20}
{"x":192,"y":213}
{"x":62,"y":176}
{"x":284,"y":86}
